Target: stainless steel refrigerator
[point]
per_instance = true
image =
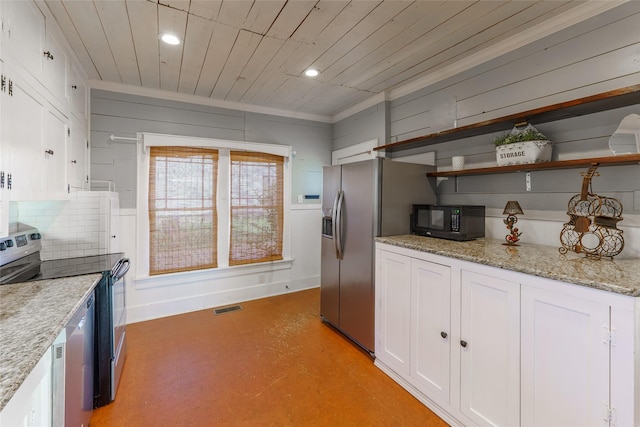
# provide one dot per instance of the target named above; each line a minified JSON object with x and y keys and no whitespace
{"x":361,"y":201}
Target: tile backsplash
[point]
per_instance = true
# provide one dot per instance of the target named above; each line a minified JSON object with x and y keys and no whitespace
{"x":69,"y":228}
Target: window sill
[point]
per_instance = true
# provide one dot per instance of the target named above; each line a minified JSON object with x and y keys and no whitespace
{"x":185,"y":277}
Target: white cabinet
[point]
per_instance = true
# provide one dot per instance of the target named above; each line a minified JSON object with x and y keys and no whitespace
{"x":113,"y":232}
{"x":4,"y":160}
{"x":431,"y":329}
{"x":462,"y":353}
{"x":490,"y":349}
{"x":565,"y":359}
{"x":30,"y":43}
{"x":36,"y":107}
{"x":77,"y":156}
{"x":23,"y":35}
{"x":393,"y":294}
{"x":54,"y":148}
{"x":30,"y":406}
{"x":77,"y":93}
{"x":24,"y":113}
{"x":34,"y":141}
{"x":485,"y":346}
{"x":55,"y":67}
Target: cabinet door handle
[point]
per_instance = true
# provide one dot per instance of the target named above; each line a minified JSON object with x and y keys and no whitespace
{"x":48,"y":55}
{"x":49,"y":152}
{"x":463,"y":343}
{"x":9,"y":181}
{"x":2,"y":179}
{"x":74,"y":87}
{"x":3,"y":83}
{"x":443,"y":334}
{"x":74,"y":162}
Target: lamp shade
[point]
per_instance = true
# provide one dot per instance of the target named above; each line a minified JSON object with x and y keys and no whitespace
{"x":512,"y":208}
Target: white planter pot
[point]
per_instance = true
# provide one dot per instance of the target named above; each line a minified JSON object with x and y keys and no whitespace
{"x":522,"y":153}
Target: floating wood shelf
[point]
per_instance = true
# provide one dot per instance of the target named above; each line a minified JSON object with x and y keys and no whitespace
{"x":627,"y":159}
{"x":591,"y":104}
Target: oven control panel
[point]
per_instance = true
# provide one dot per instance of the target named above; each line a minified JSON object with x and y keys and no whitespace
{"x":19,"y":244}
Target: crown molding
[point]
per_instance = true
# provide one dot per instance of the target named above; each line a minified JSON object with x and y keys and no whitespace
{"x":201,"y":100}
{"x":370,"y":102}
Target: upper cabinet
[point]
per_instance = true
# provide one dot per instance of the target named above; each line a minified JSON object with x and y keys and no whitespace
{"x":4,"y":162}
{"x":23,"y":35}
{"x":42,"y":88}
{"x":77,"y":93}
{"x":55,"y":67}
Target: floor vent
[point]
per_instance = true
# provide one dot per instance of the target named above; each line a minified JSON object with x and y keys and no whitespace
{"x":229,"y":309}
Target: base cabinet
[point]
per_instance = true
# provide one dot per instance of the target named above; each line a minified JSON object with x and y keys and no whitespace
{"x":431,"y":329}
{"x":30,"y":406}
{"x":490,"y":347}
{"x":393,"y":293}
{"x":565,"y":360}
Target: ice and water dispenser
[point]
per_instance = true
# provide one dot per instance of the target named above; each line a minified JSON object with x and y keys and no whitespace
{"x":327,"y":222}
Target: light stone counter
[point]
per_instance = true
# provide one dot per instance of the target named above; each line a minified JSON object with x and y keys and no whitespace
{"x":619,"y":276}
{"x":32,"y":315}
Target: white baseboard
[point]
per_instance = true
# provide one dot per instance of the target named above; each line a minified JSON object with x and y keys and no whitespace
{"x":215,"y":298}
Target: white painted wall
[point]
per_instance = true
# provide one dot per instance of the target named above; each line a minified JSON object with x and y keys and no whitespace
{"x":154,"y":297}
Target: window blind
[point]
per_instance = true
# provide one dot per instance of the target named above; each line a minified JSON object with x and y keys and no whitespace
{"x":182,"y":209}
{"x":256,"y":207}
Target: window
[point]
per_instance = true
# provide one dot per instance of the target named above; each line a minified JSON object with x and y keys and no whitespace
{"x":182,"y":209}
{"x":201,"y":212}
{"x":256,"y":207}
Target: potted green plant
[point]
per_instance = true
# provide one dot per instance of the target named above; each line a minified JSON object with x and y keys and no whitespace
{"x":524,"y":144}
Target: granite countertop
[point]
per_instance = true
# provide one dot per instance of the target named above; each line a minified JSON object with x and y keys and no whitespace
{"x":32,"y":314}
{"x":620,"y":276}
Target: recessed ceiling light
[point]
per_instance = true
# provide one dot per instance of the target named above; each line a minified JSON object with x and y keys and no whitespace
{"x":311,"y":72}
{"x":171,"y":39}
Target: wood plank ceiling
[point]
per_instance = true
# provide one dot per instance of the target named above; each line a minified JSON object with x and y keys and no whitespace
{"x":255,"y":52}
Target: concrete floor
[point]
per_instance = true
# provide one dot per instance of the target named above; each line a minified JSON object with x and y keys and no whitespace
{"x":274,"y":363}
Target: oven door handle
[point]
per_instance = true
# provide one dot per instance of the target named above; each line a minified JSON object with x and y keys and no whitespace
{"x":121,"y":268}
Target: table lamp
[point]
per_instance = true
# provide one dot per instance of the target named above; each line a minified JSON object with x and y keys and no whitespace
{"x":512,"y":209}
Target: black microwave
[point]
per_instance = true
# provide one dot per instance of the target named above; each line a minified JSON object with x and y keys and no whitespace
{"x":460,"y":222}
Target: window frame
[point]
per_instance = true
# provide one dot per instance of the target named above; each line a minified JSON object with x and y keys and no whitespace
{"x":223,"y":195}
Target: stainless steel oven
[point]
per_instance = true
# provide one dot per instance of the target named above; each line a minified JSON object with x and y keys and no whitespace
{"x":111,"y":335}
{"x":20,"y":261}
{"x":118,"y":295}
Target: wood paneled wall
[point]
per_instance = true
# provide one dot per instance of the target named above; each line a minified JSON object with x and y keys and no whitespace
{"x":123,"y":115}
{"x":597,"y":55}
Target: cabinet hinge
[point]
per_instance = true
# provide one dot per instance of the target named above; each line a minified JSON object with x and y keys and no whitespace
{"x":68,"y":131}
{"x":609,"y":335}
{"x":87,"y":145}
{"x":609,"y":413}
{"x":613,"y":337}
{"x":610,"y":338}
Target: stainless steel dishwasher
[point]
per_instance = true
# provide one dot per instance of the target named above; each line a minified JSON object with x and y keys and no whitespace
{"x":73,"y":369}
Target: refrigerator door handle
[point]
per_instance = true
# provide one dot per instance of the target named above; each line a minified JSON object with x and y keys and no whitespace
{"x":334,"y":222}
{"x":338,"y":233}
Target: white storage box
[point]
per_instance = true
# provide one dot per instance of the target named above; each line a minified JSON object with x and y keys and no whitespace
{"x":523,"y":153}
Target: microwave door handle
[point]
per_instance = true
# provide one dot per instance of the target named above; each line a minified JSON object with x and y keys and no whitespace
{"x":334,"y":223}
{"x":339,"y":227}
